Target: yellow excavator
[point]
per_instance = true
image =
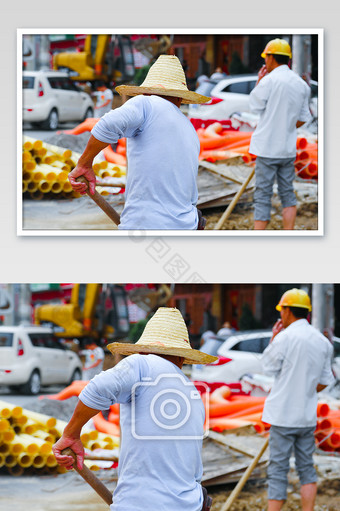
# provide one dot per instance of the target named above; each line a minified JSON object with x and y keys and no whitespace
{"x":99,"y":311}
{"x":108,"y":57}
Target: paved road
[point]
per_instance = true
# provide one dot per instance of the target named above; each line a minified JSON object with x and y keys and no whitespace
{"x":45,"y":134}
{"x":21,"y":399}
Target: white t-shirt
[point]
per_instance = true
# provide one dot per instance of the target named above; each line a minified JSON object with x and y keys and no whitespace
{"x":102,"y":98}
{"x":281,"y":99}
{"x":162,"y":153}
{"x":299,"y":358}
{"x":92,"y":357}
{"x":161,"y":418}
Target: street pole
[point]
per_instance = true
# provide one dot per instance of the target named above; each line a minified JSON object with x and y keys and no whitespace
{"x":323,"y":308}
{"x":302,"y":56}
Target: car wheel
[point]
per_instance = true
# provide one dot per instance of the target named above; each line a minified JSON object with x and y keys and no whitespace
{"x":75,"y":376}
{"x":33,"y":385}
{"x":88,"y":114}
{"x":52,"y":121}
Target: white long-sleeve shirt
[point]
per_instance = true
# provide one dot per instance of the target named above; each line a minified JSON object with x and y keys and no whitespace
{"x":299,"y":358}
{"x":281,"y":99}
{"x":161,"y":418}
{"x":162,"y":153}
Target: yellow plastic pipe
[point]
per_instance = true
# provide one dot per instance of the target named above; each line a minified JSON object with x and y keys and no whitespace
{"x":30,"y":165}
{"x":30,"y":427}
{"x":41,"y":418}
{"x":44,"y":435}
{"x":51,"y":461}
{"x":39,"y":461}
{"x":61,"y":151}
{"x":24,"y":460}
{"x":8,"y":436}
{"x":45,"y":186}
{"x":4,"y":425}
{"x":2,"y":460}
{"x":31,"y":143}
{"x":37,"y":195}
{"x":8,"y":410}
{"x":10,"y":460}
{"x":57,"y":187}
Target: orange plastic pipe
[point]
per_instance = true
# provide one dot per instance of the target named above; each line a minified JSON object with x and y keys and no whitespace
{"x":308,"y":154}
{"x":223,"y":423}
{"x":113,"y":157}
{"x":113,"y":418}
{"x":248,"y":399}
{"x":87,"y":125}
{"x":252,"y":409}
{"x":322,"y":410}
{"x":105,"y":426}
{"x":220,"y":409}
{"x":72,"y":390}
{"x":220,"y":395}
{"x":301,"y":143}
{"x":216,"y":142}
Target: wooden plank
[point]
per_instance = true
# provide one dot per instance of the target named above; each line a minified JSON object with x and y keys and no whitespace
{"x":225,"y":171}
{"x":240,"y":444}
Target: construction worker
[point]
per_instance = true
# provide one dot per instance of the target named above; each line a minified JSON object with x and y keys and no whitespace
{"x":94,"y":360}
{"x":104,"y":99}
{"x":162,"y":417}
{"x":281,"y":98}
{"x":299,"y":358}
{"x":162,"y":150}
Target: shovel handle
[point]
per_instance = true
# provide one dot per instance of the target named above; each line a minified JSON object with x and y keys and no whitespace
{"x":90,"y":478}
{"x":101,"y":202}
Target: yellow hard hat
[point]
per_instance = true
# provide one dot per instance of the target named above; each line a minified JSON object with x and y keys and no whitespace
{"x":295,"y":298}
{"x":277,"y":47}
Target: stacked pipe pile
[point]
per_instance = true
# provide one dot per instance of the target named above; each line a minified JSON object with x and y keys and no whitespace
{"x":228,"y":411}
{"x":306,"y":163}
{"x":46,"y":168}
{"x":26,"y":440}
{"x":218,"y":144}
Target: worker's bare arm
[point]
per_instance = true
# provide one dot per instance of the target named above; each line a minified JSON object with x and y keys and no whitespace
{"x":299,"y":124}
{"x":84,"y":166}
{"x":320,"y":387}
{"x":71,"y":436}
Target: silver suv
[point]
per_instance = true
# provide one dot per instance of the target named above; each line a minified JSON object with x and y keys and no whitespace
{"x":50,"y":97}
{"x":32,"y":356}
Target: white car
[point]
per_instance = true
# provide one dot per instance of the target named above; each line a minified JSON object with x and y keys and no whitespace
{"x":31,"y":356}
{"x":231,"y":95}
{"x":240,"y":354}
{"x":50,"y":97}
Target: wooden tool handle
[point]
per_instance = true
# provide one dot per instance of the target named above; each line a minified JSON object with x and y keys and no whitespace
{"x":101,"y":202}
{"x":237,"y":490}
{"x":233,"y":203}
{"x":90,"y":478}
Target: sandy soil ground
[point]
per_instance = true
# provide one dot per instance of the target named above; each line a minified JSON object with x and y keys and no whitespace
{"x":242,"y":217}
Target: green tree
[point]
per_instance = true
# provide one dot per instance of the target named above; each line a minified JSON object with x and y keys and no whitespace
{"x":236,"y":65}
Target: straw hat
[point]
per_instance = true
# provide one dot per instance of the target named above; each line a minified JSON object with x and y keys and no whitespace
{"x":164,"y":334}
{"x":165,"y":78}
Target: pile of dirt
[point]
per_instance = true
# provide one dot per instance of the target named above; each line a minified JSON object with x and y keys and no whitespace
{"x":62,"y":410}
{"x":242,"y":218}
{"x":76,"y":143}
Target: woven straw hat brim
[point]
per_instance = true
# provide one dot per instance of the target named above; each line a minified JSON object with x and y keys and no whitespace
{"x":190,"y":355}
{"x":188,"y":97}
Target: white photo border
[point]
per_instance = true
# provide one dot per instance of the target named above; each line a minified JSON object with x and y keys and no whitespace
{"x":166,"y":233}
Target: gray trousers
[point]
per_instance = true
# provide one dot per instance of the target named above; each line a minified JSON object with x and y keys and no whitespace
{"x":266,"y":170}
{"x":282,"y":441}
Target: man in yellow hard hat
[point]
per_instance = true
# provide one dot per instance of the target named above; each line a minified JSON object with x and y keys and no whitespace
{"x":281,"y":98}
{"x":299,"y":358}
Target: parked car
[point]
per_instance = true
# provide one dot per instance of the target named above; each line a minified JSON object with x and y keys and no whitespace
{"x":240,"y":354}
{"x":50,"y":97}
{"x":32,"y":356}
{"x":231,"y":95}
